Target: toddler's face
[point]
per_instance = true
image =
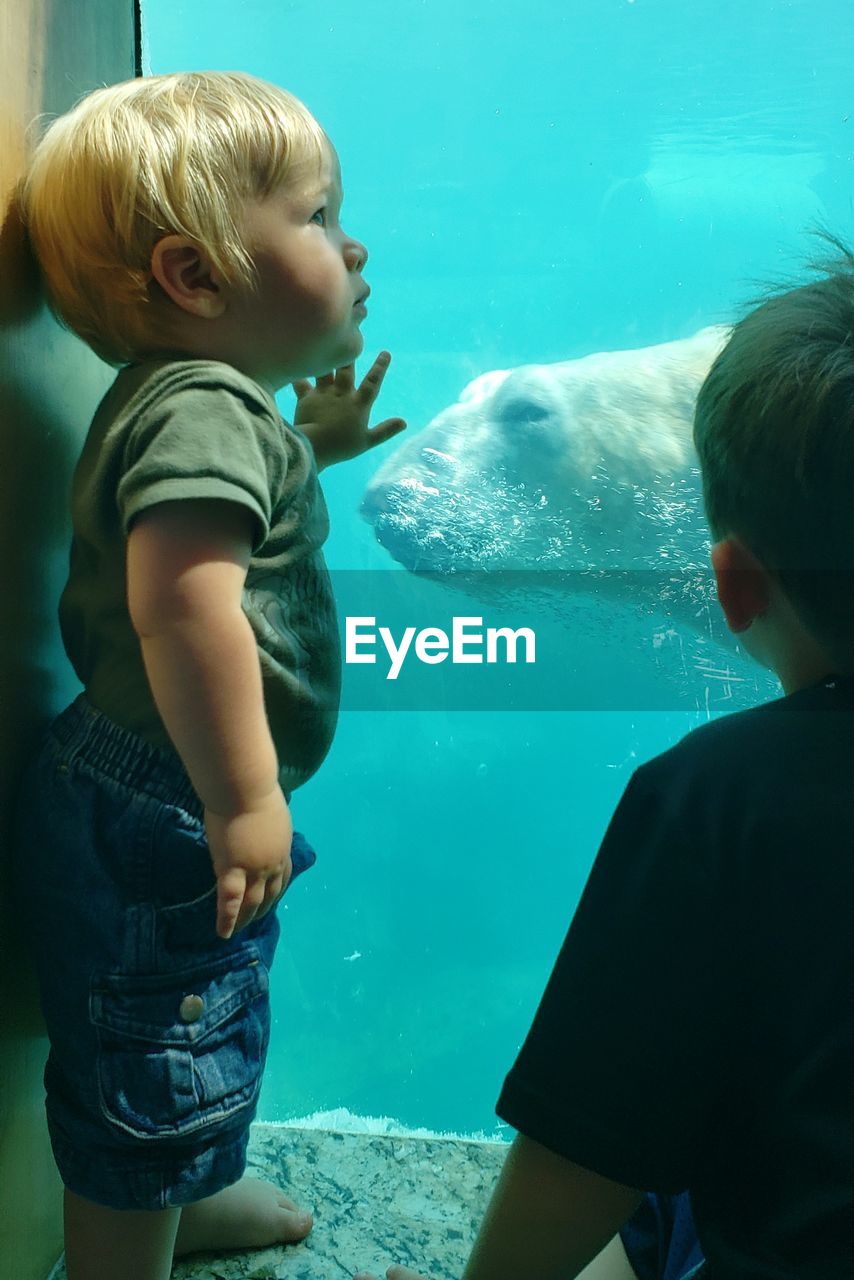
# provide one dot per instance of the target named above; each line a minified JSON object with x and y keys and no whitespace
{"x":304,"y":318}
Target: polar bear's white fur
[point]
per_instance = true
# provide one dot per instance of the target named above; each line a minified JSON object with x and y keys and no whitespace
{"x":584,"y":463}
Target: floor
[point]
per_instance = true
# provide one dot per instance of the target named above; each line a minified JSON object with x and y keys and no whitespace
{"x":376,"y":1199}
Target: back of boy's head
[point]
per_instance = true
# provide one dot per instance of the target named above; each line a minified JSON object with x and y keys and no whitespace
{"x":774,"y":430}
{"x":133,"y":162}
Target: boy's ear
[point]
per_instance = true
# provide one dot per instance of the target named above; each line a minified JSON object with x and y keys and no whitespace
{"x":186,"y":274}
{"x":744,"y":585}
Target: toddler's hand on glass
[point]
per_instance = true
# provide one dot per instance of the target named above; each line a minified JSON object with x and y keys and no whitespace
{"x":334,"y":412}
{"x":251,"y":855}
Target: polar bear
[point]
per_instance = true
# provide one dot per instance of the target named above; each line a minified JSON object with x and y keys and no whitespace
{"x":582,"y":464}
{"x":581,"y":471}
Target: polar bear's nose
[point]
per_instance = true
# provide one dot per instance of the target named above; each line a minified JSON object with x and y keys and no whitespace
{"x":396,"y":498}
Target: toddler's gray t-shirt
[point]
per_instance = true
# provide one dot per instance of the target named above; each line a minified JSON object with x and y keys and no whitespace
{"x":177,"y":429}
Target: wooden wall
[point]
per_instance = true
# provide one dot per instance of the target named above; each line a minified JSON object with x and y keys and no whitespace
{"x":51,"y":52}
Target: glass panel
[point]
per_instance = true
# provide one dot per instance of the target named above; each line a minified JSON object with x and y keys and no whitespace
{"x":596,"y":177}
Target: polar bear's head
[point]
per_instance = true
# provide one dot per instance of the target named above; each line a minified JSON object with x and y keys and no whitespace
{"x":581,"y":464}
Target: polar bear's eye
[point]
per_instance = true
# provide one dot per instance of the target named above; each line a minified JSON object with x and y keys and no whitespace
{"x":520,"y":412}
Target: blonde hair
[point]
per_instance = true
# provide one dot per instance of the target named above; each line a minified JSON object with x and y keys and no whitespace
{"x":133,"y":162}
{"x":774,"y":431}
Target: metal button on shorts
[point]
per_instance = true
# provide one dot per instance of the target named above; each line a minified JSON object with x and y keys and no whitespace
{"x":191,"y":1008}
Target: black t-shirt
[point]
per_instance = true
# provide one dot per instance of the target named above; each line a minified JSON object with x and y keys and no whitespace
{"x":697,"y":1031}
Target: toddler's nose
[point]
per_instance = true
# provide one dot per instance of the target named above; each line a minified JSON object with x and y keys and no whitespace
{"x":355,"y":255}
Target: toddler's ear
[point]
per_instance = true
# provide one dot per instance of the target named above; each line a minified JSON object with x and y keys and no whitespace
{"x":186,"y":274}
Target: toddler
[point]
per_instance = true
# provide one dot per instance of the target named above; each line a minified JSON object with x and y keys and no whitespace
{"x":188,"y":228}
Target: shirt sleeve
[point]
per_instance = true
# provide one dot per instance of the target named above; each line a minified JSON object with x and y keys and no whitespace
{"x":206,"y":440}
{"x":629,"y":1051}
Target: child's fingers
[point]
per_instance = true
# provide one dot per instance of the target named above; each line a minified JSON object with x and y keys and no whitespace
{"x":385,"y":431}
{"x":302,"y":387}
{"x":260,"y":894}
{"x":274,"y":889}
{"x":369,"y":387}
{"x":230,"y":891}
{"x":253,"y":897}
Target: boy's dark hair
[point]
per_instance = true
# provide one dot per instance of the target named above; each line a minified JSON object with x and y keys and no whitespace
{"x":774,"y":431}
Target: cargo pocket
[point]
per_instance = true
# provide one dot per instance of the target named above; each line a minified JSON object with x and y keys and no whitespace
{"x":182,"y":1052}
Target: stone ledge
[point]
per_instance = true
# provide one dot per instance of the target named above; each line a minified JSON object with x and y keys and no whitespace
{"x":376,"y":1199}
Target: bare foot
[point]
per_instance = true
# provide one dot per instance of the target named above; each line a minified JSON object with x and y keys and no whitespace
{"x":248,"y":1215}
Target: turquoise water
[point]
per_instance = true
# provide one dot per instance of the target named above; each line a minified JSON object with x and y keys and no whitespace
{"x":534,"y":182}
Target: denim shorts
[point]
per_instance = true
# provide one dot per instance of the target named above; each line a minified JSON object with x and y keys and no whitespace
{"x":158,"y":1028}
